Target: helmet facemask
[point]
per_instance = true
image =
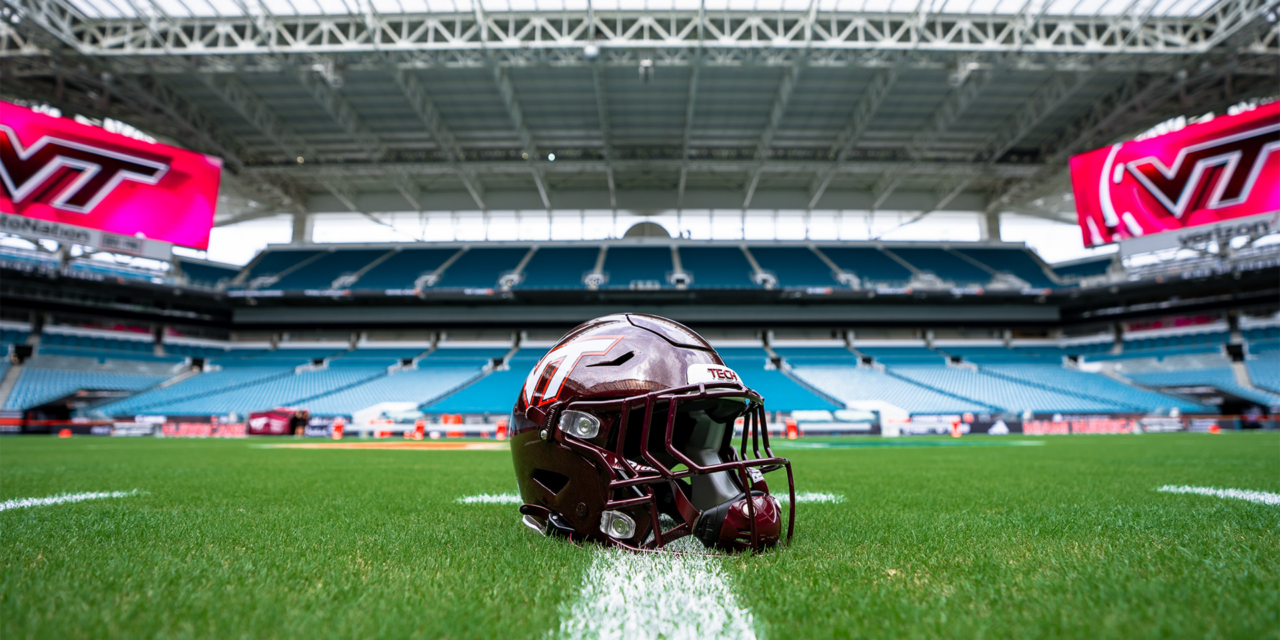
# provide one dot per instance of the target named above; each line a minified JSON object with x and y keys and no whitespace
{"x":671,"y":453}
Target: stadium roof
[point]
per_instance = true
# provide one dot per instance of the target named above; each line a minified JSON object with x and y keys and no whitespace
{"x":403,"y":105}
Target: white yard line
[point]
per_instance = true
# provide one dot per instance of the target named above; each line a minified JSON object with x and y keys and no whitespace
{"x":654,"y":595}
{"x":1260,"y":497}
{"x":812,"y":496}
{"x":485,"y":498}
{"x":21,"y":503}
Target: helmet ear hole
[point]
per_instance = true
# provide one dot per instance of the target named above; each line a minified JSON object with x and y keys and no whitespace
{"x":553,"y":482}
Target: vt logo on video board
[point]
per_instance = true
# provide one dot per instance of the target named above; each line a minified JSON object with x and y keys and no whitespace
{"x":59,"y":171}
{"x":68,"y":175}
{"x":1223,"y":169}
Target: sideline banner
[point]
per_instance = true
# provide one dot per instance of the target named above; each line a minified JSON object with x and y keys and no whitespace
{"x":1205,"y":173}
{"x":60,"y":171}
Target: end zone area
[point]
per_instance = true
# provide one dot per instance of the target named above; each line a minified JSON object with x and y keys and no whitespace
{"x":226,"y":538}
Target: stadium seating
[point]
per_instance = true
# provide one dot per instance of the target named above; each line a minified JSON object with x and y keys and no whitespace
{"x":422,"y":386}
{"x":1001,"y":393}
{"x":717,"y":267}
{"x":901,"y":354}
{"x":872,"y":266}
{"x":638,"y":267}
{"x":321,"y":273}
{"x":480,"y":268}
{"x":402,"y":269}
{"x":1221,"y":378}
{"x":172,"y":399}
{"x":272,"y":262}
{"x":1264,"y":371}
{"x":559,"y":268}
{"x":992,"y":354}
{"x":944,"y":264}
{"x":1091,"y":385}
{"x":272,"y":391}
{"x":1013,"y":261}
{"x":780,"y":392}
{"x":12,"y":336}
{"x":36,"y":386}
{"x":494,"y":393}
{"x":207,"y":274}
{"x":860,"y":384}
{"x":794,"y":266}
{"x":1083,"y":268}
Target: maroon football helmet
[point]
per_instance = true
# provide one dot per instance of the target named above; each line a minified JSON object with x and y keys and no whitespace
{"x":630,"y":418}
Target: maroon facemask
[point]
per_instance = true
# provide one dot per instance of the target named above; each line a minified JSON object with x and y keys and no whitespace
{"x":623,"y":434}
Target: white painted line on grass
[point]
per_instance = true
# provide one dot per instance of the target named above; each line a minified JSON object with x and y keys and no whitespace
{"x":812,"y":496}
{"x":654,"y":595}
{"x":485,"y":498}
{"x":1260,"y":497}
{"x":21,"y":503}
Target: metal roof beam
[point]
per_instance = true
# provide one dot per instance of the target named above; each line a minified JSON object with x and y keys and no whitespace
{"x":508,"y":91}
{"x":568,"y":32}
{"x":233,"y":92}
{"x":425,"y":107}
{"x":337,"y":106}
{"x":602,"y":109}
{"x":866,"y":109}
{"x":779,"y":108}
{"x":690,"y":103}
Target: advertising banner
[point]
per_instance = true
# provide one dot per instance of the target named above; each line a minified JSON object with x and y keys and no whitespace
{"x":1203,"y":174}
{"x":60,"y":171}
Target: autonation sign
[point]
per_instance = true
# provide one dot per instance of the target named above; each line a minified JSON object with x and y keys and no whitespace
{"x":72,"y":175}
{"x":1224,"y":173}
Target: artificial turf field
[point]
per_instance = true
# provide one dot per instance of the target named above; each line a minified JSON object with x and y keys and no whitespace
{"x":1066,"y":537}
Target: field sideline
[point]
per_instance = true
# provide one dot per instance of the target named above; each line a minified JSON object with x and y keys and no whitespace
{"x":1068,"y":538}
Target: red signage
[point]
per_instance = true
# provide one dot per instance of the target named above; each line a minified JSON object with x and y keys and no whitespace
{"x":61,"y":171}
{"x":1226,"y":168}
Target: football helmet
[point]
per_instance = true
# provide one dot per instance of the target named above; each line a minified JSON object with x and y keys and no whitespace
{"x":631,"y":417}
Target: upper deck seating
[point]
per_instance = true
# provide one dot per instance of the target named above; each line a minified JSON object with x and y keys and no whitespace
{"x":1014,"y":261}
{"x":794,"y":266}
{"x":402,"y":269}
{"x":559,"y":268}
{"x":717,"y":267}
{"x":275,"y":261}
{"x":480,"y":267}
{"x":870,"y":265}
{"x":208,"y":274}
{"x":321,"y":273}
{"x":638,"y":267}
{"x":1083,"y":268}
{"x":944,"y":264}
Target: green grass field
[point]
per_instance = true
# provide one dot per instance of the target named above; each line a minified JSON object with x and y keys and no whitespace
{"x":1067,"y":539}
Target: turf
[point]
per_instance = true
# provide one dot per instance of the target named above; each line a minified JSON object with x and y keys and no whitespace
{"x":1068,"y":539}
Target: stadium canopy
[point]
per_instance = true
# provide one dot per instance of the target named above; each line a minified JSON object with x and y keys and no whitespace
{"x":643,"y":105}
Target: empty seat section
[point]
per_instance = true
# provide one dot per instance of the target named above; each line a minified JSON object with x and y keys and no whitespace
{"x":1221,"y":378}
{"x":207,"y":273}
{"x":453,"y":354}
{"x":794,"y":266}
{"x":797,"y":356}
{"x":13,"y":336}
{"x":982,"y":355}
{"x":852,"y":384}
{"x":321,"y":273}
{"x":286,"y":390}
{"x":37,"y":386}
{"x":901,"y":355}
{"x":637,"y":267}
{"x":421,"y":386}
{"x":1083,"y":269}
{"x":402,"y":269}
{"x":870,"y":265}
{"x":275,"y":261}
{"x":1001,"y":393}
{"x":1264,"y":371}
{"x":1015,"y":261}
{"x":197,"y":386}
{"x":944,"y":264}
{"x":559,"y":268}
{"x":780,"y":392}
{"x":481,"y":268}
{"x":717,"y":267}
{"x":1093,"y":385}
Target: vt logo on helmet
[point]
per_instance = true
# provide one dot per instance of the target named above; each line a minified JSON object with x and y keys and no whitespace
{"x":623,"y":433}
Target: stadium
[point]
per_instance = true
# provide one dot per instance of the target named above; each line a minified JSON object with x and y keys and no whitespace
{"x":286,"y":286}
